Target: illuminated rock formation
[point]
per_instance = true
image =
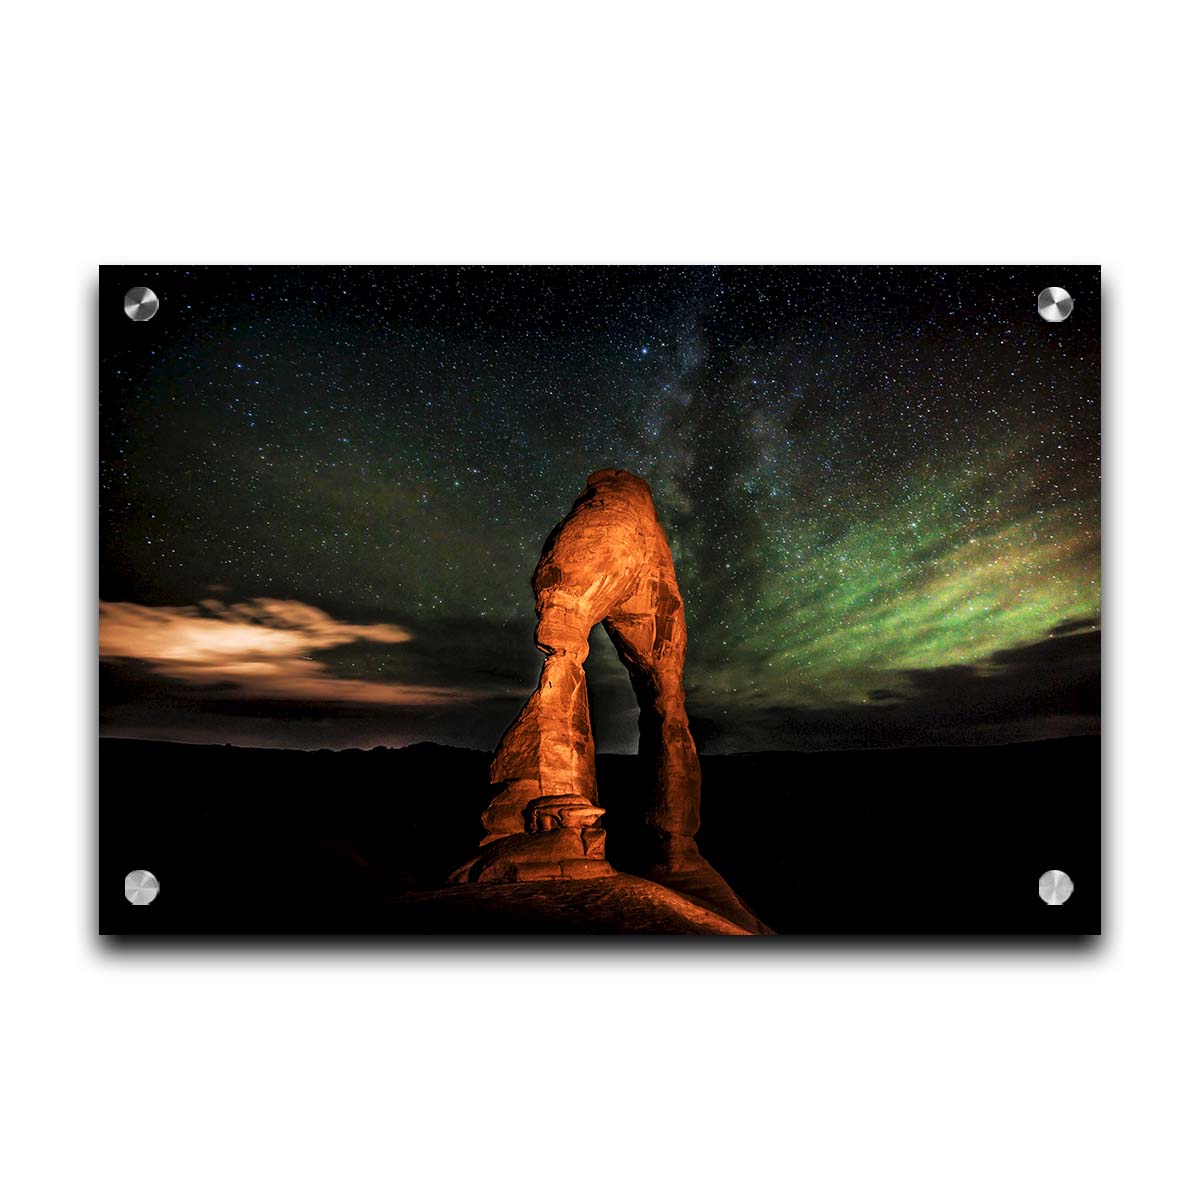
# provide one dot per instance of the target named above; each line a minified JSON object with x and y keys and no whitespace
{"x":609,"y":562}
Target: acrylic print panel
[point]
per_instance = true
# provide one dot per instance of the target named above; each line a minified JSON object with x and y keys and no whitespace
{"x":682,"y":600}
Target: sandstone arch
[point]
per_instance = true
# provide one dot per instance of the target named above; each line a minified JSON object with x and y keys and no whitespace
{"x":607,"y":562}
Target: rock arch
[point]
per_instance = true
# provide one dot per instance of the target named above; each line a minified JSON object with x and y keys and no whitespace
{"x":607,"y":562}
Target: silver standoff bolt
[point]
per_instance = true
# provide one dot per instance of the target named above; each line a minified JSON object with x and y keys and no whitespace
{"x":1055,"y":887}
{"x":140,"y":887}
{"x":1054,"y":304}
{"x":140,"y":304}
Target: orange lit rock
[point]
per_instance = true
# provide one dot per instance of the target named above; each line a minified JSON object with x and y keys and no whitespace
{"x":616,"y":904}
{"x":609,"y":562}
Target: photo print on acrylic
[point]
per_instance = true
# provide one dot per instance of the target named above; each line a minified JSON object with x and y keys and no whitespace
{"x":692,"y":600}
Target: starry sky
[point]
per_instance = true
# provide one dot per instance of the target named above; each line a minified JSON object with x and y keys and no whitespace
{"x":323,"y":492}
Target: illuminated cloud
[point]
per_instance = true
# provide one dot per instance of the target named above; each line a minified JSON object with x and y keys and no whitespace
{"x":261,"y":647}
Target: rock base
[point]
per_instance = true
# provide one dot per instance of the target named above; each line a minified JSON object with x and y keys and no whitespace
{"x":614,"y":904}
{"x":562,"y":842}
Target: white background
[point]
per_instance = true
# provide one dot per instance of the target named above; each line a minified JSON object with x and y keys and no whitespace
{"x":623,"y":132}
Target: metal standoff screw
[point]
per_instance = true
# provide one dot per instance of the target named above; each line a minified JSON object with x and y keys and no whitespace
{"x":140,"y":304}
{"x":140,"y":887}
{"x":1055,"y":887}
{"x":1054,"y":304}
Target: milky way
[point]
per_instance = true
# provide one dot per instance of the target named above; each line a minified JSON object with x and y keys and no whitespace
{"x":881,"y":487}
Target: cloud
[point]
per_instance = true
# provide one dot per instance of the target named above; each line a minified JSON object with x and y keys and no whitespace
{"x":259,"y":648}
{"x":1086,"y":624}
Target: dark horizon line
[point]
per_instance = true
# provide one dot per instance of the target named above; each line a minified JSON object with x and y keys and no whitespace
{"x":1071,"y":737}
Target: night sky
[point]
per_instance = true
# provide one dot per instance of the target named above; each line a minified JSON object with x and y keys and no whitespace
{"x":323,"y":493}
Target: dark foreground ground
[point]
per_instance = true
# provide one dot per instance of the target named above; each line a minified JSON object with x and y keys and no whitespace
{"x":927,"y":841}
